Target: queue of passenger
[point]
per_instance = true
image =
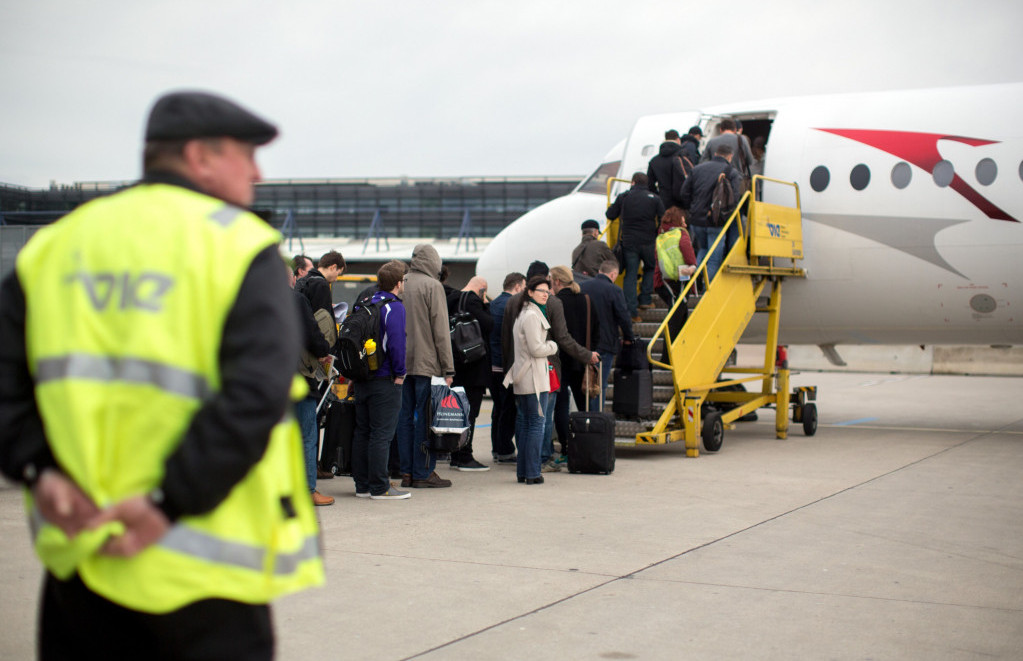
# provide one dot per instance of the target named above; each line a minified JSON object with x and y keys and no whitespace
{"x":161,"y":469}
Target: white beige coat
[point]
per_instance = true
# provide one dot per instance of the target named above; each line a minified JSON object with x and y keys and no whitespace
{"x":528,"y":374}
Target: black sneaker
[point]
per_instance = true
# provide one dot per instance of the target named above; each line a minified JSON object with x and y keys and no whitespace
{"x":471,"y":465}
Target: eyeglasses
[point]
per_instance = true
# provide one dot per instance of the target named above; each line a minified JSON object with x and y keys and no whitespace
{"x":545,"y":292}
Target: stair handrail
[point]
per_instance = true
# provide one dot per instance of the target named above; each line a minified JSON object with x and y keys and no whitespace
{"x":607,"y":228}
{"x":701,"y":269}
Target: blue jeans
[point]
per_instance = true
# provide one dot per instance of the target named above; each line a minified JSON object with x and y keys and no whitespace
{"x":547,"y":449}
{"x":413,"y":444}
{"x":633,"y":256}
{"x":705,"y":237}
{"x":607,"y":360}
{"x":377,"y":403}
{"x":305,"y":414}
{"x":529,"y":426}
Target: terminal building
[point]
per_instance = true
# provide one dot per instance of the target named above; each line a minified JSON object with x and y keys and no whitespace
{"x":406,"y":206}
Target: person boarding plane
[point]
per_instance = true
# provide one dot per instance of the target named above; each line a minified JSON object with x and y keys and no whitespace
{"x":912,"y":203}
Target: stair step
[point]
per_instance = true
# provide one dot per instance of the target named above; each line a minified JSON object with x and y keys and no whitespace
{"x":662,"y":394}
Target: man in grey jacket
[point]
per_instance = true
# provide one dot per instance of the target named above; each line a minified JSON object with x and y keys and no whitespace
{"x":743,"y":156}
{"x":427,"y":354}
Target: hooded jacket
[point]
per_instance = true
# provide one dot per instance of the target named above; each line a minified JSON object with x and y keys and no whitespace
{"x":666,"y":174}
{"x":427,"y":329}
{"x":691,"y":151}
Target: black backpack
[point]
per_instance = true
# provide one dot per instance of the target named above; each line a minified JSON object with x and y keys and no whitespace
{"x":361,"y":324}
{"x":722,"y":200}
{"x":467,"y":343}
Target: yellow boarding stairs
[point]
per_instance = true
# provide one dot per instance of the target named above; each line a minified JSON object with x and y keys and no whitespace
{"x":699,"y":354}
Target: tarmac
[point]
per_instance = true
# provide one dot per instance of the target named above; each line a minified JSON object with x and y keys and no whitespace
{"x":896,"y":532}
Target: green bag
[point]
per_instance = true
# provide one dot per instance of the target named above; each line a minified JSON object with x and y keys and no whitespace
{"x":669,"y":257}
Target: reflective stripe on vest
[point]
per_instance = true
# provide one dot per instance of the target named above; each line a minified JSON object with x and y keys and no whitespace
{"x":112,"y":368}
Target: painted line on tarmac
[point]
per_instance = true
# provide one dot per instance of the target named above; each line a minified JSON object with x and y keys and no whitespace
{"x":858,"y":421}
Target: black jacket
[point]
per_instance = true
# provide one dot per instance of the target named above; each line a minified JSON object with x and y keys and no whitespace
{"x":640,"y":211}
{"x":575,"y":318}
{"x":608,"y":300}
{"x":699,"y":189}
{"x":312,"y":339}
{"x":225,"y":437}
{"x":476,"y":373}
{"x":666,"y":173}
{"x":690,"y":150}
{"x":316,"y":289}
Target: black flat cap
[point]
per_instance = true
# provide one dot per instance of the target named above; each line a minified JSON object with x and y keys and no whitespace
{"x":186,"y":115}
{"x":590,"y":225}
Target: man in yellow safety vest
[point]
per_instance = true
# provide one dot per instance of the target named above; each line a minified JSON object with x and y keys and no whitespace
{"x":147,"y":348}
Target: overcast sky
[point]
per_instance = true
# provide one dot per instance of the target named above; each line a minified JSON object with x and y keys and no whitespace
{"x":453,"y":88}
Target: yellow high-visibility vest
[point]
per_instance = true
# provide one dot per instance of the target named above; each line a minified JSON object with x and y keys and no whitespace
{"x":126,"y":300}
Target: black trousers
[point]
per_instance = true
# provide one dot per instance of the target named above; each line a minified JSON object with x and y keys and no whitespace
{"x":475,"y":395}
{"x":572,"y":374}
{"x":76,"y":623}
{"x":502,"y":417}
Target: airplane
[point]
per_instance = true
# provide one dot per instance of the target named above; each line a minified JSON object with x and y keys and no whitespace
{"x":912,"y":203}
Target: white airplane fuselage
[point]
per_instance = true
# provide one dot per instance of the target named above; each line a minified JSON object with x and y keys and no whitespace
{"x":912,"y":205}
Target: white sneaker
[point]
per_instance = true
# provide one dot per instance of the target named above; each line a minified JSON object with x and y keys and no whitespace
{"x":392,"y":494}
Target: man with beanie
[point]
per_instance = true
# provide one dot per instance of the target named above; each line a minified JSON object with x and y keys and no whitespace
{"x":591,"y":251}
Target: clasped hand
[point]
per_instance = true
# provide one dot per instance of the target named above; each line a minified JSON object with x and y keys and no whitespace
{"x":65,"y":505}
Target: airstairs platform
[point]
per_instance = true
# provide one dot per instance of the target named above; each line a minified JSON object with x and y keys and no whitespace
{"x":697,"y":396}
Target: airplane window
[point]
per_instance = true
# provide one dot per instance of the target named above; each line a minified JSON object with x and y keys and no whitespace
{"x":987,"y":170}
{"x":1021,"y":169}
{"x":943,"y":173}
{"x":859,"y":177}
{"x":597,"y":182}
{"x":820,"y":177}
{"x":901,"y":175}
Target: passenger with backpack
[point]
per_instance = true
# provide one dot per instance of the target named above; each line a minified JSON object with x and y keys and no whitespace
{"x":378,"y":396}
{"x":472,"y":367}
{"x":711,"y":193}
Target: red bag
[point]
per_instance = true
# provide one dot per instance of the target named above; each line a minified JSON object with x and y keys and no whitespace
{"x":555,"y":383}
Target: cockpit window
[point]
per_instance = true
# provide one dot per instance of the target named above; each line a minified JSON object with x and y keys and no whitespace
{"x":597,"y":182}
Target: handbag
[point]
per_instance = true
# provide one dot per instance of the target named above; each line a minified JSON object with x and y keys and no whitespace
{"x":555,"y":382}
{"x":591,"y":375}
{"x":619,"y":252}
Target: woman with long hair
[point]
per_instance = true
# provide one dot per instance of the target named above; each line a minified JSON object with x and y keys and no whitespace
{"x":530,"y":376}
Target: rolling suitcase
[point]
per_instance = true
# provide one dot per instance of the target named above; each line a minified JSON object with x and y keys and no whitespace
{"x":633,"y":356}
{"x":592,"y":448}
{"x":336,"y":454}
{"x":634,"y":393}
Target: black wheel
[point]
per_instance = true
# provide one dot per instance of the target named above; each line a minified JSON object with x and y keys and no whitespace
{"x":809,"y":419}
{"x":713,"y":431}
